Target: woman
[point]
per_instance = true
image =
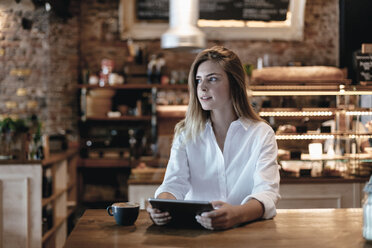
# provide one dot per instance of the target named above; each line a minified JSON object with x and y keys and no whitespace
{"x":222,"y":151}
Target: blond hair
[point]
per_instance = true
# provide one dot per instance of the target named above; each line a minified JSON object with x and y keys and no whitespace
{"x":196,"y":117}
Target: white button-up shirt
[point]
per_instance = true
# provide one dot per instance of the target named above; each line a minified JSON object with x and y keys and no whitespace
{"x":247,"y":167}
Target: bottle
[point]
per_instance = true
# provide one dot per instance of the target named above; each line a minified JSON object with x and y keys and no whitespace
{"x":367,"y":212}
{"x":47,"y":183}
{"x":132,"y":143}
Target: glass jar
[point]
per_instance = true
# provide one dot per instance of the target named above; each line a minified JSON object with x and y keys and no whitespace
{"x":367,"y":212}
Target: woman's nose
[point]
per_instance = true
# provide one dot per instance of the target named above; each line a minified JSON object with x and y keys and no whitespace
{"x":202,"y":85}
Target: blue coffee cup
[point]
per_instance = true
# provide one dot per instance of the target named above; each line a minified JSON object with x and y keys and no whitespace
{"x":125,"y":213}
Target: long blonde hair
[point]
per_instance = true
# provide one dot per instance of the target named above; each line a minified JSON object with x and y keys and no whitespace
{"x":196,"y":117}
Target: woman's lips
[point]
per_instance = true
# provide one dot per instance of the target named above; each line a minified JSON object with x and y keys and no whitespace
{"x":205,"y":98}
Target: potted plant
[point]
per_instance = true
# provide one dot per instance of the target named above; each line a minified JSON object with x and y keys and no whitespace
{"x":15,"y":134}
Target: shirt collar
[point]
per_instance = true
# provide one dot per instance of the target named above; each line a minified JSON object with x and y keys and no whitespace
{"x":244,"y":122}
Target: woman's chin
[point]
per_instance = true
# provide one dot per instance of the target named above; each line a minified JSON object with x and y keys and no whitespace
{"x":206,"y":108}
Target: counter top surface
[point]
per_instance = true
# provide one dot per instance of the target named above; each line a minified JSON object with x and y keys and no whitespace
{"x":304,"y":180}
{"x":52,"y":158}
{"x":283,"y":180}
{"x":290,"y":228}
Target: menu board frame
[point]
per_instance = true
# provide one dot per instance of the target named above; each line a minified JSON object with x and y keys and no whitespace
{"x":246,"y":10}
{"x":152,"y":29}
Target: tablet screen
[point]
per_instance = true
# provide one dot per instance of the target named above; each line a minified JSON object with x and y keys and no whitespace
{"x":183,"y":212}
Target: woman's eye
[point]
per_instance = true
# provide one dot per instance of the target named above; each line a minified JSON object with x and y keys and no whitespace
{"x":212,"y":79}
{"x":198,"y":81}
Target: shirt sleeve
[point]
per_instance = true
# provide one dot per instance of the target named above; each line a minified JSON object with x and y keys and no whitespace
{"x":266,"y":177}
{"x":177,"y":176}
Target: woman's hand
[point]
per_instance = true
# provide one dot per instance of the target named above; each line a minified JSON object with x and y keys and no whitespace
{"x":223,"y":217}
{"x":159,"y":218}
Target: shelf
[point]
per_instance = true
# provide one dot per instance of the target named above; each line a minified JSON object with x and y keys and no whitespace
{"x":278,"y":116}
{"x":323,"y":179}
{"x":48,"y":200}
{"x":102,"y":162}
{"x":93,"y":203}
{"x":173,"y":87}
{"x":152,"y":162}
{"x":121,"y":118}
{"x":56,"y":157}
{"x":261,"y":90}
{"x":316,"y":112}
{"x":321,"y":136}
{"x":63,"y":168}
{"x":309,"y":90}
{"x":323,"y":157}
{"x":120,"y":162}
{"x":117,"y":87}
{"x":362,"y":157}
{"x":308,"y":82}
{"x":171,"y":111}
{"x":58,"y":223}
{"x":303,"y":136}
{"x":136,"y":86}
{"x":309,"y":93}
{"x":71,"y":185}
{"x":70,"y":211}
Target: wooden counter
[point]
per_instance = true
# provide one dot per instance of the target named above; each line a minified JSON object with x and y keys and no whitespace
{"x":283,"y":180}
{"x":316,"y":180}
{"x":155,"y":176}
{"x":21,"y":193}
{"x":51,"y":159}
{"x":296,"y":192}
{"x":290,"y":228}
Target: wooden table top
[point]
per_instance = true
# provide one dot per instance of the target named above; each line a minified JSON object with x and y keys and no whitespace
{"x":290,"y":228}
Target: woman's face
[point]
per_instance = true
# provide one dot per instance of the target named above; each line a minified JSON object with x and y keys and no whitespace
{"x":213,"y":87}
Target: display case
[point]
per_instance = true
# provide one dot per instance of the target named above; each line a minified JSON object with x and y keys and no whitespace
{"x":318,"y":128}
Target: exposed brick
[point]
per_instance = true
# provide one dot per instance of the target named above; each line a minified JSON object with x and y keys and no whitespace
{"x":57,"y":49}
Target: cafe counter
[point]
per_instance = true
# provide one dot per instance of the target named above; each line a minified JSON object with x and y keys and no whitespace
{"x":290,"y":228}
{"x":296,"y":192}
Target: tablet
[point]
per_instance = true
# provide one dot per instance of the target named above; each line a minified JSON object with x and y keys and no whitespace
{"x":183,"y":212}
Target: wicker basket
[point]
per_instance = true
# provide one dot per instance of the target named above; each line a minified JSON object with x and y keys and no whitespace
{"x":98,"y":106}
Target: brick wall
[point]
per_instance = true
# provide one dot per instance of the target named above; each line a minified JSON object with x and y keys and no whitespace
{"x":55,"y":49}
{"x":62,"y":97}
{"x":47,"y":50}
{"x":319,"y":47}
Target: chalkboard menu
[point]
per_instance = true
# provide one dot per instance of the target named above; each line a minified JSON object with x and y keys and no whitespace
{"x":152,"y":9}
{"x":364,"y":63}
{"x":249,"y":10}
{"x":220,"y":10}
{"x":258,"y":10}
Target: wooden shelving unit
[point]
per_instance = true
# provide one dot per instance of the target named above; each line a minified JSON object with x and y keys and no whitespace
{"x":64,"y":192}
{"x":136,"y":86}
{"x":102,"y":162}
{"x":22,"y":187}
{"x":121,"y":118}
{"x":151,"y":122}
